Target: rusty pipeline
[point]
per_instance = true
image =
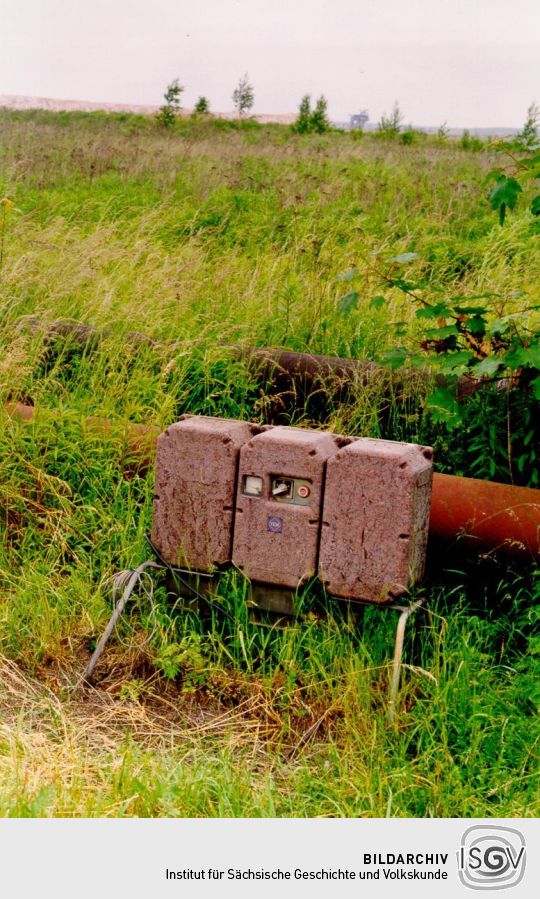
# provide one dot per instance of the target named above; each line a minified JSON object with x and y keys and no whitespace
{"x":139,"y":440}
{"x":309,"y":377}
{"x":487,"y":516}
{"x":296,"y":377}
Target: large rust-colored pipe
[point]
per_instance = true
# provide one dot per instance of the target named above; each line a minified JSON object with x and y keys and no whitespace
{"x":494,"y":517}
{"x":338,"y":377}
{"x":491,"y":517}
{"x":139,"y":440}
{"x":291,"y":374}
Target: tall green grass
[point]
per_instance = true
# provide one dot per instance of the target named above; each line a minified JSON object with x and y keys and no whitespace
{"x":209,"y":236}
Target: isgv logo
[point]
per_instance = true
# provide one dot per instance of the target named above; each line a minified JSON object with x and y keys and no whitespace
{"x":491,"y":857}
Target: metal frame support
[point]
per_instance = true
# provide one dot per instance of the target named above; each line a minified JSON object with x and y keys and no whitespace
{"x":126,"y":582}
{"x":279,"y":600}
{"x":286,"y":608}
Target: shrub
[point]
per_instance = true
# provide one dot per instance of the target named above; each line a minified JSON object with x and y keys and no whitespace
{"x":172,"y":96}
{"x":202,"y":106}
{"x":243,"y":96}
{"x":390,"y":125}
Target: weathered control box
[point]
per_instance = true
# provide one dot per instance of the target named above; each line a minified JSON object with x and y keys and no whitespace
{"x":289,"y":504}
{"x":279,"y":498}
{"x":375,"y":515}
{"x":195,"y":487}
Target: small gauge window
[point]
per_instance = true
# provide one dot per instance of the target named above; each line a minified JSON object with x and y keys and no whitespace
{"x":253,"y":485}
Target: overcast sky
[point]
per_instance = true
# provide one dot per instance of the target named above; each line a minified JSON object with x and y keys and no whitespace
{"x":464,"y":62}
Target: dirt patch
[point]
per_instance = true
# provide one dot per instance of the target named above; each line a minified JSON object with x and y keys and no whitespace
{"x":131,"y":698}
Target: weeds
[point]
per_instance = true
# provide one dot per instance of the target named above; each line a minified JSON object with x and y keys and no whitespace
{"x":202,"y":237}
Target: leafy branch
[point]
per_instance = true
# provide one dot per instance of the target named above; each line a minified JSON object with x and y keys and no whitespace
{"x":460,"y":339}
{"x":524,"y":166}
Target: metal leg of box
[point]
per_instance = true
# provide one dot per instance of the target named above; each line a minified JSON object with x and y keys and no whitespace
{"x":279,"y":601}
{"x":405,"y":613}
{"x":195,"y":587}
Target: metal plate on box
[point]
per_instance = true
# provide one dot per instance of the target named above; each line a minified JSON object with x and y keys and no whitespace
{"x":274,"y":524}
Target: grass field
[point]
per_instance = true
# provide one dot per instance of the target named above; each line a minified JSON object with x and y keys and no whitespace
{"x":203,"y":237}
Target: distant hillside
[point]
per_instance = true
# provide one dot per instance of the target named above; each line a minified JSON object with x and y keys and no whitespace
{"x":11,"y":101}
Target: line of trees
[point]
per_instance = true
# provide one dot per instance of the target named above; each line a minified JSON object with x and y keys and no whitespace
{"x":243,"y":98}
{"x":309,"y":120}
{"x":315,"y":120}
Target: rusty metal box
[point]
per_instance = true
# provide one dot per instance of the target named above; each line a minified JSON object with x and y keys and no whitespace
{"x":278,"y":506}
{"x":375,"y":519}
{"x":195,"y":485}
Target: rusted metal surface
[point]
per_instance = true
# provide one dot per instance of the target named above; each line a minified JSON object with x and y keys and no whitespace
{"x":307,"y":378}
{"x":138,"y":440}
{"x":21,"y":411}
{"x":308,"y":365}
{"x":294,"y":378}
{"x":85,"y":336}
{"x":486,"y":516}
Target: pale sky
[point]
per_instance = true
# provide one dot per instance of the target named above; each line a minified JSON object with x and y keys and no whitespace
{"x":465,"y":62}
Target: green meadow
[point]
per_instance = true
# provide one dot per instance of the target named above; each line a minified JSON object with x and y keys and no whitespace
{"x":204,"y":236}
